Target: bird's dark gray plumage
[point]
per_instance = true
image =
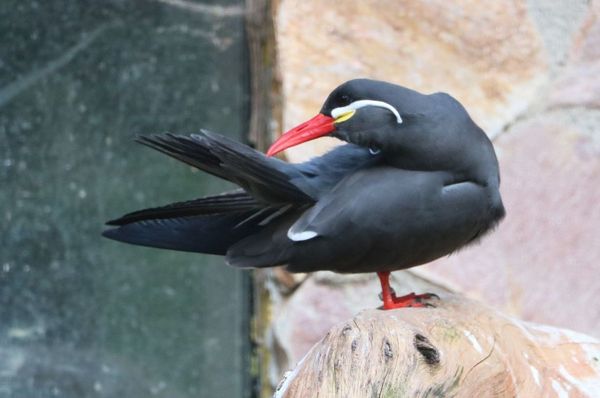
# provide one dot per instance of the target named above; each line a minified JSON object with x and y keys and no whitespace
{"x":417,"y":180}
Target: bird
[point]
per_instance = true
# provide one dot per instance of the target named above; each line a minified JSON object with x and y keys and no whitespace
{"x":416,"y":179}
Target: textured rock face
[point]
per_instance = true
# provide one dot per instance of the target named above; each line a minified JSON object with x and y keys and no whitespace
{"x":528,"y":74}
{"x":487,"y":54}
{"x":580,"y":83}
{"x":326,"y":299}
{"x":455,"y":350}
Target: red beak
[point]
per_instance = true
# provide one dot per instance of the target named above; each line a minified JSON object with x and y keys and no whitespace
{"x":316,"y":127}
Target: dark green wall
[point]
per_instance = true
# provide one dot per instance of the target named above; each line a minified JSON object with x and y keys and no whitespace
{"x":81,"y":315}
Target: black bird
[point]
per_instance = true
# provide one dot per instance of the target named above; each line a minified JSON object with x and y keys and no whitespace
{"x":416,"y":180}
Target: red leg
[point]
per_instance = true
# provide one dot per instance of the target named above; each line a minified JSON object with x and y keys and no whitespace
{"x":386,"y":294}
{"x":390,"y":301}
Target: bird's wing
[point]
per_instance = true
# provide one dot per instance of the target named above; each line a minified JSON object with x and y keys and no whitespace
{"x":375,"y":218}
{"x":383,"y":200}
{"x":266,"y":179}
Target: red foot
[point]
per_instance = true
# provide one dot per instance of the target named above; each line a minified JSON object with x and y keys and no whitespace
{"x":391,"y":301}
{"x":410,"y":300}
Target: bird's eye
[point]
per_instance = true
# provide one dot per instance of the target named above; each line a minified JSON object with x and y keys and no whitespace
{"x":346,"y":99}
{"x":373,"y":150}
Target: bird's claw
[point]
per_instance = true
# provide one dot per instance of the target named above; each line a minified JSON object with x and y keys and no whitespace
{"x":412,"y":300}
{"x":426,"y":296}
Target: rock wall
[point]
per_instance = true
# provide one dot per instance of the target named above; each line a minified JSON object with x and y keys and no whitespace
{"x":527,"y":71}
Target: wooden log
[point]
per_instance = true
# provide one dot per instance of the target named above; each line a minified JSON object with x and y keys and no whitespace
{"x":461,"y":348}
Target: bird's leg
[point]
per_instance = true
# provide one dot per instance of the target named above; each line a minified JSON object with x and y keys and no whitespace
{"x":391,"y":301}
{"x":386,"y":292}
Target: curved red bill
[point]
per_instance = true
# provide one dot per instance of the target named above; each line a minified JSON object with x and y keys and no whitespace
{"x":316,"y":127}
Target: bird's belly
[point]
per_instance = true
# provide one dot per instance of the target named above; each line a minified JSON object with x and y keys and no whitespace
{"x":410,"y":234}
{"x":432,"y":229}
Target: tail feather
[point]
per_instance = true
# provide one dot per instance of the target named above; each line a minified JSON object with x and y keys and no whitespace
{"x":206,"y":225}
{"x":211,"y":234}
{"x":234,"y":201}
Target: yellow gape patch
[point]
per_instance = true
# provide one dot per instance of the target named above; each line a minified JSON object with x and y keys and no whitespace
{"x":345,"y":116}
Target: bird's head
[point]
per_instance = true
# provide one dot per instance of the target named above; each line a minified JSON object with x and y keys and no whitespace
{"x":409,"y":129}
{"x":365,"y":112}
{"x":356,"y":111}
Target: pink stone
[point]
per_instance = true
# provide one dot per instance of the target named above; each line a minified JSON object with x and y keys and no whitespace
{"x":579,"y":85}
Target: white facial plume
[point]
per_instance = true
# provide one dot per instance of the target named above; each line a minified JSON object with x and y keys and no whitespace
{"x":351,"y":108}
